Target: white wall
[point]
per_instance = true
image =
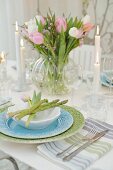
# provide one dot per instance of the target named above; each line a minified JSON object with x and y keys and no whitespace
{"x":73,"y":7}
{"x":23,"y":10}
{"x":4,"y":44}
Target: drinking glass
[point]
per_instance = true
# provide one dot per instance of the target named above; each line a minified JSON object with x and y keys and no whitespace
{"x":89,"y":80}
{"x":31,"y":56}
{"x":97,"y":108}
{"x":4,"y":80}
{"x":108,"y":74}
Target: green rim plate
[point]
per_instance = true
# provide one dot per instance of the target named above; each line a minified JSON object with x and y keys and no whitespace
{"x":77,"y":125}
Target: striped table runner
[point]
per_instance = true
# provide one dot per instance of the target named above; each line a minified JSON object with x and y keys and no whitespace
{"x":88,"y":156}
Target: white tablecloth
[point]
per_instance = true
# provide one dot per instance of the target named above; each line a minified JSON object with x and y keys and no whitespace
{"x":28,"y":153}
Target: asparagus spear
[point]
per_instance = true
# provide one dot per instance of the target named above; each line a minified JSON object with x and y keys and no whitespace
{"x":41,"y":108}
{"x":28,"y":111}
{"x":24,"y":113}
{"x":31,"y":116}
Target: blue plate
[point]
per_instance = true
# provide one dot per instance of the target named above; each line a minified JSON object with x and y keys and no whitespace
{"x":11,"y":128}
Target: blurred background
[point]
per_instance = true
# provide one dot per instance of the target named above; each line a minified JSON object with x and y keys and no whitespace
{"x":23,"y":10}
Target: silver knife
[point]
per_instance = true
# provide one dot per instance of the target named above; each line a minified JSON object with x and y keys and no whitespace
{"x":94,"y":139}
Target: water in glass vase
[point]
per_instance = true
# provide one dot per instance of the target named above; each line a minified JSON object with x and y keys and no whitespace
{"x":52,"y":78}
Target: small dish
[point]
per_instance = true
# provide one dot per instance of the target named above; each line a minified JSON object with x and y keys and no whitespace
{"x":42,"y":119}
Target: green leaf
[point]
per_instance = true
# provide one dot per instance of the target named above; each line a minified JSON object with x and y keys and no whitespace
{"x":62,"y":47}
{"x":40,"y":26}
{"x":36,"y":98}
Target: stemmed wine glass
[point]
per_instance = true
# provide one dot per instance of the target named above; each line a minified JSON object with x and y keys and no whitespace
{"x":108,"y":74}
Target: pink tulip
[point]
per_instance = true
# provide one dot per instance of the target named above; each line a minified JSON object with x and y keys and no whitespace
{"x":81,"y":42}
{"x":36,"y":37}
{"x":87,"y":27}
{"x":42,"y":20}
{"x":60,"y":24}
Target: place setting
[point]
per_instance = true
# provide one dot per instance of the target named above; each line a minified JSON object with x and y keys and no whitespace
{"x":65,"y":137}
{"x":61,"y":132}
{"x":56,"y":97}
{"x":53,"y":121}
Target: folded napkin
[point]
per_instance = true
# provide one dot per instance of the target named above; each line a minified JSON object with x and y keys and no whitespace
{"x":105,"y":78}
{"x":4,"y":103}
{"x":85,"y":158}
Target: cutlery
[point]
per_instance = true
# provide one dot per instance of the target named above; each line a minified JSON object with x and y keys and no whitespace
{"x":4,"y":103}
{"x":88,"y":143}
{"x":88,"y":136}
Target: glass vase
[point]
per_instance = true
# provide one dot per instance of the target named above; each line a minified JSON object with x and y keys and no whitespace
{"x":52,"y":78}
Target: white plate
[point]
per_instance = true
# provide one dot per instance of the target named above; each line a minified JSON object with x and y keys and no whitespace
{"x":42,"y":119}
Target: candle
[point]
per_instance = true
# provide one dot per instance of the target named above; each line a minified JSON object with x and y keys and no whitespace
{"x":16,"y":26}
{"x":96,"y":81}
{"x":22,"y":55}
{"x":3,"y":69}
{"x":97,"y":45}
{"x":17,"y":46}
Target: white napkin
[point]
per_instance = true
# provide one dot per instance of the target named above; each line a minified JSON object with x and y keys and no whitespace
{"x":88,"y":156}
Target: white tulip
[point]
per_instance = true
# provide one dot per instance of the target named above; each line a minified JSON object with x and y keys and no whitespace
{"x":74,"y":32}
{"x":86,"y":19}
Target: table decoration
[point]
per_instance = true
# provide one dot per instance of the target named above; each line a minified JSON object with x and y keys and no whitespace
{"x":17,"y":47}
{"x":97,"y":62}
{"x":3,"y":70}
{"x":22,"y":55}
{"x":96,"y":80}
{"x":95,"y":99}
{"x":77,"y":125}
{"x":20,"y":60}
{"x":4,"y":81}
{"x":36,"y":108}
{"x":97,"y":43}
{"x":54,"y":37}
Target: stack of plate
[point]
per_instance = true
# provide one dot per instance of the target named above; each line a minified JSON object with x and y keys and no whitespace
{"x":68,"y":123}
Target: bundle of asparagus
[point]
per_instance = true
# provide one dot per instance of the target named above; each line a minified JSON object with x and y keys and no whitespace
{"x":35,"y":107}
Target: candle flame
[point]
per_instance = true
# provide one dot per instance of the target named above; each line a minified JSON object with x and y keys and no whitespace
{"x":97,"y":31}
{"x":26,"y":23}
{"x":2,"y":57}
{"x":22,"y":42}
{"x":16,"y":26}
{"x":2,"y":54}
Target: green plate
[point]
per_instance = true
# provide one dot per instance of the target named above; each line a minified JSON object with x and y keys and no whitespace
{"x":77,"y":125}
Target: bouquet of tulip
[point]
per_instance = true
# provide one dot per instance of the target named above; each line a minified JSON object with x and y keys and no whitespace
{"x":54,"y":38}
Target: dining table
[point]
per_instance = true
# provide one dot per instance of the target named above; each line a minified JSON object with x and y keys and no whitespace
{"x":27,"y":153}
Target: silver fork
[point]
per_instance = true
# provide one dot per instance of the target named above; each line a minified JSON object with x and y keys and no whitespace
{"x":88,"y":136}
